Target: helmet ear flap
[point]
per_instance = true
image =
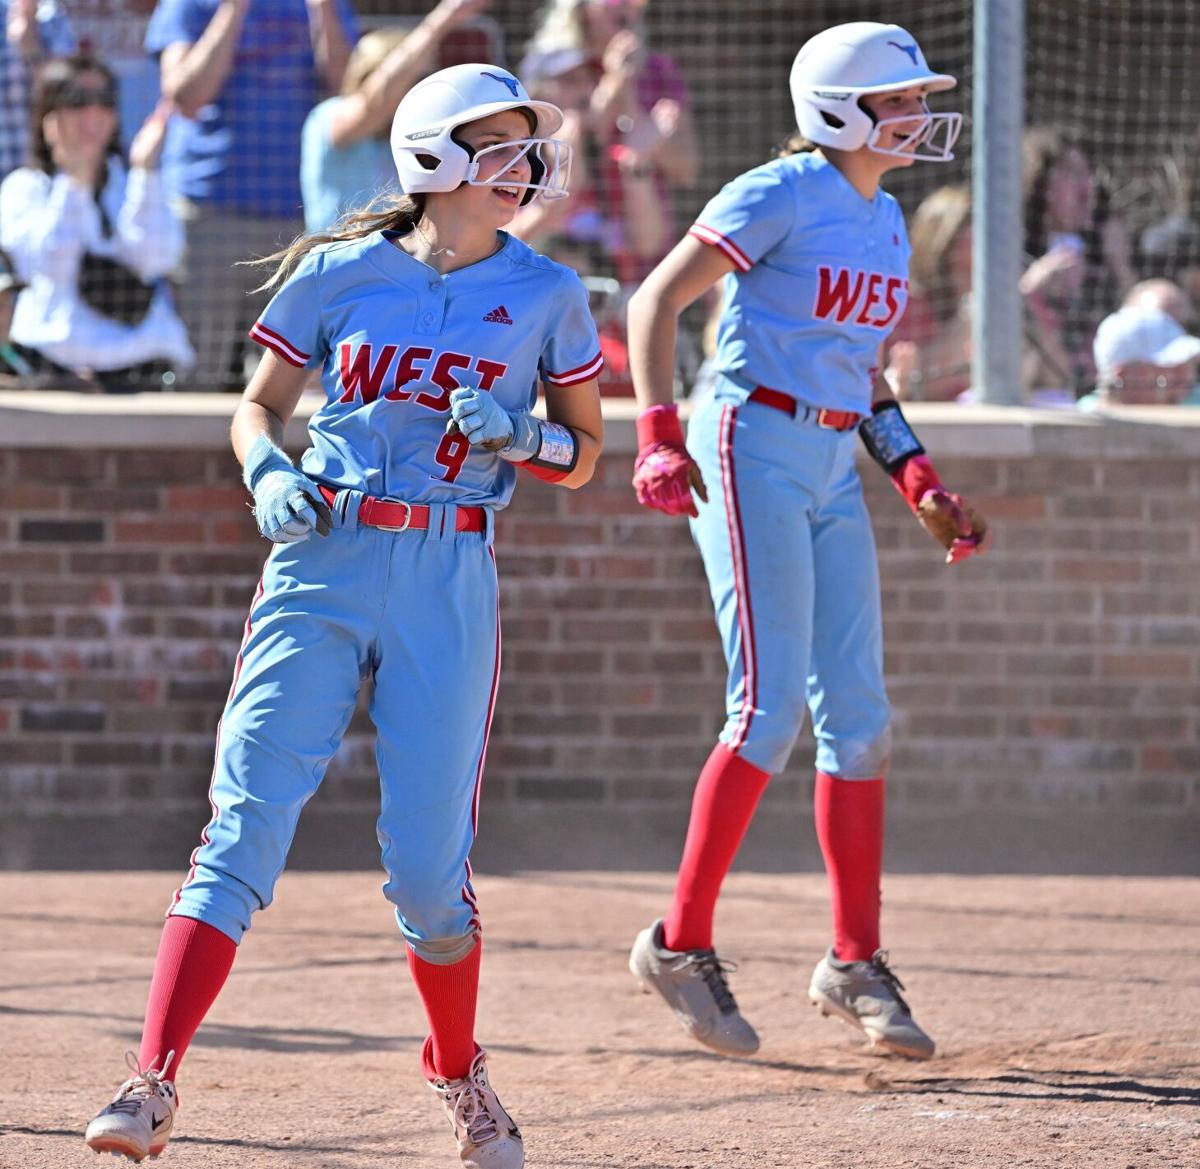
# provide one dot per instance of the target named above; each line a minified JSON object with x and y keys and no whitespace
{"x":537,"y":172}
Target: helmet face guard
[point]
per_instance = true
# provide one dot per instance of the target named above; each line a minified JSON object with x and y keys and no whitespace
{"x":835,"y":69}
{"x":549,"y":163}
{"x":931,"y":141}
{"x":430,"y":156}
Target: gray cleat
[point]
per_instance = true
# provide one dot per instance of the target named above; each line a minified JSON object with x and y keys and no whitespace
{"x":137,"y":1124}
{"x":693,"y":983}
{"x":867,"y":994}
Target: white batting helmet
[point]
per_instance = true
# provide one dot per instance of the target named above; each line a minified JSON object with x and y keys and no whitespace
{"x":838,"y":66}
{"x":428,"y":157}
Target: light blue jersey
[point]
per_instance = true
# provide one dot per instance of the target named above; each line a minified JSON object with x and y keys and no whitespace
{"x":416,"y":608}
{"x":392,"y":338}
{"x":820,"y":282}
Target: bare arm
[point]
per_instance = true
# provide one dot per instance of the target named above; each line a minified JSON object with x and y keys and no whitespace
{"x":369,"y":111}
{"x":330,"y":47}
{"x":22,"y":32}
{"x":194,"y":74}
{"x":578,"y":407}
{"x":687,"y":272}
{"x":267,"y":403}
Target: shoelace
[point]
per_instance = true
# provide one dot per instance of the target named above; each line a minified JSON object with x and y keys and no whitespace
{"x":142,"y":1085}
{"x":469,"y":1109}
{"x":713,"y":970}
{"x":884,"y":971}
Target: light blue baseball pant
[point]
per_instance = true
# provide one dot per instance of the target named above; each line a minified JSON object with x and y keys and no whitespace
{"x":415,"y":610}
{"x":790,"y":557}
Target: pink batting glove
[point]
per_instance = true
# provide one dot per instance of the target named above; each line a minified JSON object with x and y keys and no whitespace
{"x":664,"y":474}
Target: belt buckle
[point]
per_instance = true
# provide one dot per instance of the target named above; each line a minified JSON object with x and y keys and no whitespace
{"x":407,"y":515}
{"x":823,"y":419}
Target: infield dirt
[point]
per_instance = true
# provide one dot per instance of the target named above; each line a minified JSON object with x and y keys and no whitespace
{"x":1066,"y":1010}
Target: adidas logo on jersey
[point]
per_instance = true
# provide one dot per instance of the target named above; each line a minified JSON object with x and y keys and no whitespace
{"x":498,"y":316}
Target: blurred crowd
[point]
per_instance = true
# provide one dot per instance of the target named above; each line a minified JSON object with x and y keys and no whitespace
{"x":123,"y":262}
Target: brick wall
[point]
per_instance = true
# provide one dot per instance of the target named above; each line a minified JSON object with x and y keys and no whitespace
{"x":1050,"y":687}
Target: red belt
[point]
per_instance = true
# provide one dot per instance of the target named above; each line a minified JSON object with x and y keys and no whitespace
{"x":829,"y":419}
{"x":394,"y":515}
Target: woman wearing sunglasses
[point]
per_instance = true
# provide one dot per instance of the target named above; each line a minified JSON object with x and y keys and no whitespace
{"x":93,"y":238}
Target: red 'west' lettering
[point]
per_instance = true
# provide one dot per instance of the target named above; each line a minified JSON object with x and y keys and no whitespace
{"x":858,"y":295}
{"x":408,"y":371}
{"x":442,"y":376}
{"x":488,"y":372}
{"x":873,"y":283}
{"x":359,"y":377}
{"x":834,"y":296}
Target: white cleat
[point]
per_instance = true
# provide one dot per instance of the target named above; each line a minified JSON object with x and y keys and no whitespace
{"x":138,"y":1122}
{"x":866,"y":994}
{"x":694,"y":986}
{"x":487,"y":1136}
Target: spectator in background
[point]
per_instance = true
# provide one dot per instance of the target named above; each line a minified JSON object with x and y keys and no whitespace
{"x":1143,"y":352}
{"x":14,"y":369}
{"x":639,"y":111}
{"x":1078,"y":260}
{"x":345,"y":160}
{"x":32,"y":30}
{"x":92,"y":239}
{"x":1144,"y":357}
{"x":605,"y":239}
{"x":929,"y":356}
{"x":245,"y":74}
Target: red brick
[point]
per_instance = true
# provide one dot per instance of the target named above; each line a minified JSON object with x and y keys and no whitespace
{"x":1148,"y":665}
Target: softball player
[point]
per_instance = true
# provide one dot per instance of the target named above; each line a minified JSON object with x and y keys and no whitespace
{"x":432,"y":329}
{"x":814,"y":258}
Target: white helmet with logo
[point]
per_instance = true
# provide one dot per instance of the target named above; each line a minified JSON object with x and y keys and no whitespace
{"x":838,"y":66}
{"x":429,"y":157}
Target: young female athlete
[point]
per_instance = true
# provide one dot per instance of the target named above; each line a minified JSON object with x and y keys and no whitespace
{"x":815,"y":259}
{"x":432,"y":328}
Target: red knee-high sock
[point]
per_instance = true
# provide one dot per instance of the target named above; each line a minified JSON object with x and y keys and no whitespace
{"x":849,"y":815}
{"x":726,"y":795}
{"x":193,"y":962}
{"x":449,"y":994}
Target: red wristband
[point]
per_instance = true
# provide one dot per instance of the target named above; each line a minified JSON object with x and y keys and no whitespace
{"x":659,"y":424}
{"x":550,"y":474}
{"x":914,"y":477}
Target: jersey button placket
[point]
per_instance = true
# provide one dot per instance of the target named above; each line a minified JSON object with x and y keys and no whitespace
{"x":433,"y":309}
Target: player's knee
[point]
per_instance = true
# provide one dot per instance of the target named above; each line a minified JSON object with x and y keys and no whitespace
{"x":769,"y":739}
{"x":443,"y":951}
{"x":856,"y":758}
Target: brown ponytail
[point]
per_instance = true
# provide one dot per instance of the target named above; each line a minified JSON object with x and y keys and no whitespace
{"x":795,"y":143}
{"x":399,"y":213}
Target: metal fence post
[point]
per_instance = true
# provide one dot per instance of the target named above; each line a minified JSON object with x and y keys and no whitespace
{"x":998,"y":111}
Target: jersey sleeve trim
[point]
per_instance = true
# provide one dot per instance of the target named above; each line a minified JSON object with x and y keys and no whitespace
{"x":707,"y":235}
{"x":583,"y":373}
{"x":279,"y":345}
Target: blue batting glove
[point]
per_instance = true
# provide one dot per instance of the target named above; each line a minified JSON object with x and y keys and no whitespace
{"x":481,"y":419}
{"x":288,"y":507}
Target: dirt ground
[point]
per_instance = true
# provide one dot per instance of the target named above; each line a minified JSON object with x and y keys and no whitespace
{"x":1067,"y":1014}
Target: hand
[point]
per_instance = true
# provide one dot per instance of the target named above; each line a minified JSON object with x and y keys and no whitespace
{"x":288,"y":507}
{"x":451,"y":13}
{"x":623,"y":54}
{"x":481,"y":419}
{"x":665,"y":476}
{"x":1057,"y":276}
{"x":146,"y":148}
{"x":954,"y":523}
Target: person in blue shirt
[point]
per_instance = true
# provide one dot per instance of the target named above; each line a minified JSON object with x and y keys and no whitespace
{"x":33,"y":30}
{"x":344,"y":156}
{"x":244,"y":74}
{"x":433,"y":331}
{"x":813,"y":256}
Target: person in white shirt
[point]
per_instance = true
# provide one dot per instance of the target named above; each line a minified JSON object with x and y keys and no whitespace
{"x":93,"y":238}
